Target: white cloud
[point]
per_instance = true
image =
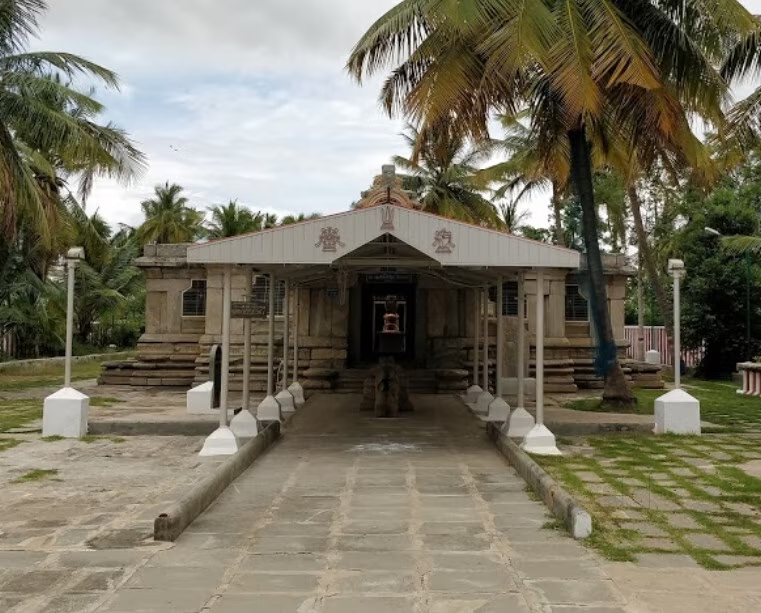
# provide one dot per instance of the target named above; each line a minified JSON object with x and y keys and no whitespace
{"x":233,"y":99}
{"x":239,"y":98}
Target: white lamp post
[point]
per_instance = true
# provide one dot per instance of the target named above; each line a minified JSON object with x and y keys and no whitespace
{"x":66,"y":411}
{"x":677,"y":412}
{"x":540,"y":440}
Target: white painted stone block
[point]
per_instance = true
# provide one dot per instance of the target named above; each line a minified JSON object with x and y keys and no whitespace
{"x":482,"y":403}
{"x":285,"y":400}
{"x":677,"y":412}
{"x":540,"y":441}
{"x":653,"y":357}
{"x":519,"y":424}
{"x":199,"y":399}
{"x":220,"y":442}
{"x":298,"y":394}
{"x":472,"y":393}
{"x":244,"y":425}
{"x":65,"y":414}
{"x":499,"y":410}
{"x":268,"y":410}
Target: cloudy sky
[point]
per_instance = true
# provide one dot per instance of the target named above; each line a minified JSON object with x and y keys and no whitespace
{"x":238,"y":99}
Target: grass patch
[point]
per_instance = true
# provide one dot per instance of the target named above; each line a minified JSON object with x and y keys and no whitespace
{"x":17,"y":413}
{"x":664,"y":494}
{"x":52,"y":439}
{"x":9,"y":443}
{"x":104,"y":401}
{"x":719,"y":404}
{"x":37,"y":474}
{"x":47,"y":374}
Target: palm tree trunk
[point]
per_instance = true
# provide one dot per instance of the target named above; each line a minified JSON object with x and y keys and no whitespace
{"x":649,"y":260}
{"x":617,"y":391}
{"x":559,"y":238}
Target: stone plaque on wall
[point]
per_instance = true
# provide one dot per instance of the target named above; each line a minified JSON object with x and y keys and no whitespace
{"x":247,"y":310}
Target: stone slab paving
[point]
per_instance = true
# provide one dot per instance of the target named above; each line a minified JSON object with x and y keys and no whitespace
{"x":68,"y":540}
{"x":350,"y":514}
{"x":691,"y":497}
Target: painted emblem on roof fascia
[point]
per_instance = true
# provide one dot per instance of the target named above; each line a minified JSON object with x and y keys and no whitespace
{"x":443,"y":241}
{"x":330,"y":240}
{"x":387,"y":217}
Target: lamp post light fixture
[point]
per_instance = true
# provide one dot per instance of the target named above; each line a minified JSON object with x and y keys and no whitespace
{"x":677,"y":411}
{"x":718,"y":234}
{"x":74,"y":255}
{"x":66,"y":411}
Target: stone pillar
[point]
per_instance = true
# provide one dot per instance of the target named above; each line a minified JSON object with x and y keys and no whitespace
{"x":521,"y":422}
{"x":284,"y":397}
{"x":247,"y":348}
{"x":223,"y":441}
{"x":540,"y":440}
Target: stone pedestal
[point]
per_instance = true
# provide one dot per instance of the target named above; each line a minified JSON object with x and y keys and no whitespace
{"x":220,"y":442}
{"x":676,"y":412}
{"x":244,"y":425}
{"x":472,"y":394}
{"x":482,"y":403}
{"x":286,"y":402}
{"x":540,"y":441}
{"x":65,"y":414}
{"x":653,"y":357}
{"x":268,"y":410}
{"x":199,"y":400}
{"x":520,"y":423}
{"x":298,"y":394}
{"x":499,"y":411}
{"x":386,"y":391}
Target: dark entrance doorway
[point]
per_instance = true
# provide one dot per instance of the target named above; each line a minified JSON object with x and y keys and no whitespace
{"x":371,"y":317}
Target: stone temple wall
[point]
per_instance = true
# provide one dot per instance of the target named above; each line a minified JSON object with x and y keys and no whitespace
{"x":174,"y":351}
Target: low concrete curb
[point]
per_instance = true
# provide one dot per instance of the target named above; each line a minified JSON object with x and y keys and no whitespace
{"x":170,"y":524}
{"x":152,"y":428}
{"x":576,"y":519}
{"x":567,"y":428}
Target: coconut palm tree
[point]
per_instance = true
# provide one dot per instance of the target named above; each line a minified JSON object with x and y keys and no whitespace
{"x":442,"y":171}
{"x":291,"y":219}
{"x":233,"y":219}
{"x":106,"y":280}
{"x":526,"y":171}
{"x":628,"y":71}
{"x":48,"y":131}
{"x":169,"y":218}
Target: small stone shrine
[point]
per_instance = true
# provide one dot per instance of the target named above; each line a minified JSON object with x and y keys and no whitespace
{"x":386,"y":390}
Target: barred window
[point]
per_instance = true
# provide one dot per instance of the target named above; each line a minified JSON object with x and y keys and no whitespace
{"x":576,"y":306}
{"x":194,"y":299}
{"x":509,"y":298}
{"x":260,"y":295}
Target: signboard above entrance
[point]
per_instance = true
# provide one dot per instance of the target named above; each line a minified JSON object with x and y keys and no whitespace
{"x":389,"y":276}
{"x":247,"y":310}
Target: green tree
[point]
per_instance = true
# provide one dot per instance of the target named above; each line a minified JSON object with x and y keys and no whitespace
{"x":48,"y":131}
{"x":622,"y":73}
{"x":442,"y":172}
{"x":291,"y":219}
{"x":169,"y":218}
{"x":714,"y":288}
{"x":107,"y":279}
{"x":527,"y":170}
{"x":233,"y":219}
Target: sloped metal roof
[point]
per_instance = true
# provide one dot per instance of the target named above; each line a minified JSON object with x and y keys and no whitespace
{"x":326,"y":240}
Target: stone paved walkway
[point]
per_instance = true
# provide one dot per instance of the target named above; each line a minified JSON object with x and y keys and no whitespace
{"x":349,"y":514}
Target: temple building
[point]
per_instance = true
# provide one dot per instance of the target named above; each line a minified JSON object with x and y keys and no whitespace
{"x":457,"y":286}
